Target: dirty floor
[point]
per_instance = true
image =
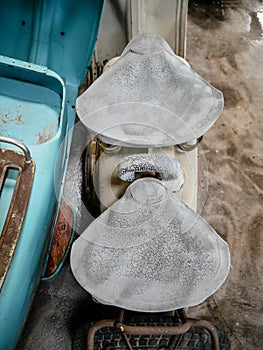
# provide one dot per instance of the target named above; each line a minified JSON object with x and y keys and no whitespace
{"x":226,"y":48}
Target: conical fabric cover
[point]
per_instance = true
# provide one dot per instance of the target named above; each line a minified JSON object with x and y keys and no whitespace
{"x":149,"y":97}
{"x":150,"y":252}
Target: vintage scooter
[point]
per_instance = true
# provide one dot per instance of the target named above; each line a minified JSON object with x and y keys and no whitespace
{"x":45,"y":48}
{"x":148,"y":251}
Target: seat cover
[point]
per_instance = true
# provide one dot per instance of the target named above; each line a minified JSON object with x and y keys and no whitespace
{"x":150,"y":252}
{"x":149,"y":97}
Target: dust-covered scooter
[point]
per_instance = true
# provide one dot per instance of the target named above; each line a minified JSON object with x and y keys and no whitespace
{"x":148,"y":251}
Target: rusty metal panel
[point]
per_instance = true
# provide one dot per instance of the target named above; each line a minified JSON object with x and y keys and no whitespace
{"x":17,"y":208}
{"x":61,"y":240}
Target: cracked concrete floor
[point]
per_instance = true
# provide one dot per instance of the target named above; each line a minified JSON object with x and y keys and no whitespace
{"x":229,"y":53}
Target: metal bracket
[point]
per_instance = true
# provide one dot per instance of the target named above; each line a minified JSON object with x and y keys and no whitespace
{"x":150,"y":330}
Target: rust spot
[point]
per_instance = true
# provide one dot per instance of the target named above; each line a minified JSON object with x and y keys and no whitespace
{"x":19,"y":118}
{"x":9,"y":119}
{"x":62,"y":235}
{"x":62,"y":226}
{"x":45,"y":135}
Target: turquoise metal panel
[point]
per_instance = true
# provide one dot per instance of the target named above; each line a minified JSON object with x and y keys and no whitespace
{"x":18,"y":119}
{"x":49,"y":44}
{"x":32,"y":102}
{"x":57,"y":34}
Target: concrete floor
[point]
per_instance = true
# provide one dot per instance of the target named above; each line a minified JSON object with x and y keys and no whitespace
{"x":228,"y":52}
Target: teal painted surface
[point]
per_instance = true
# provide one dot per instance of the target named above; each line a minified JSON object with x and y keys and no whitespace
{"x":23,"y":275}
{"x":57,"y":34}
{"x":45,"y":47}
{"x":31,"y":106}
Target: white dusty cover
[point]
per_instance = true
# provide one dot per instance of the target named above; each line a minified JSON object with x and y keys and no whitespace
{"x":150,"y":252}
{"x":129,"y":165}
{"x":150,"y":97}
